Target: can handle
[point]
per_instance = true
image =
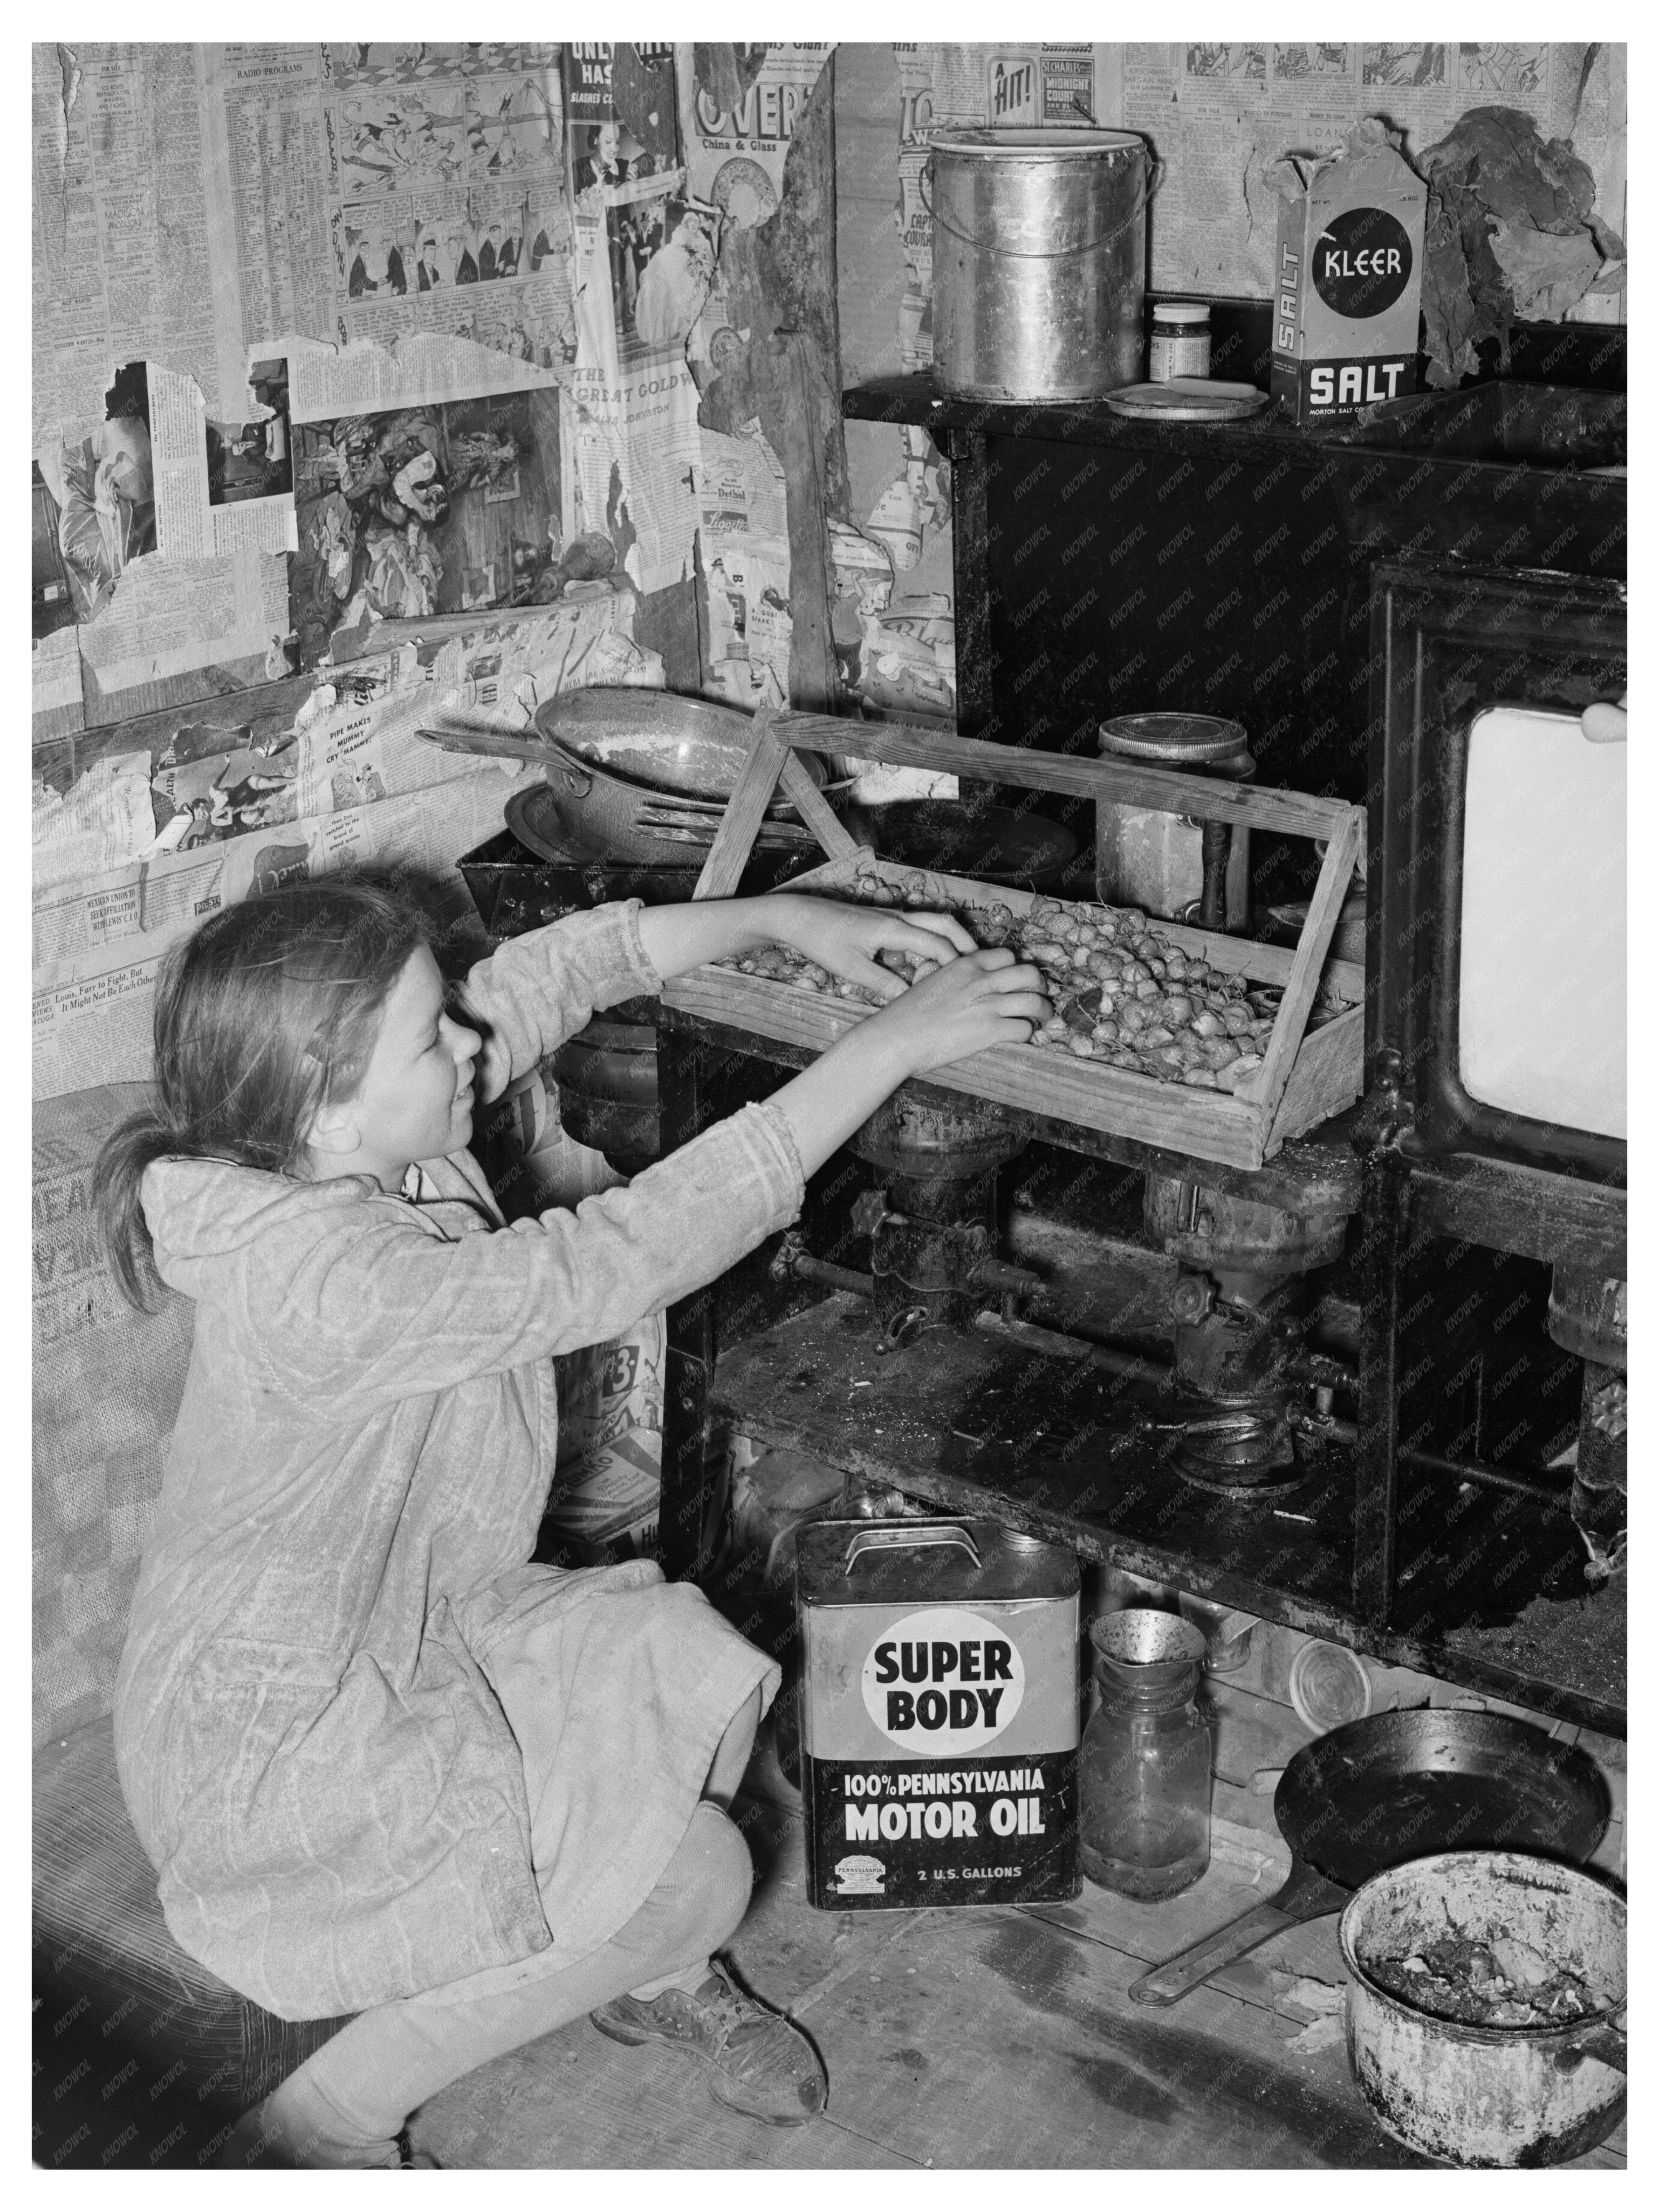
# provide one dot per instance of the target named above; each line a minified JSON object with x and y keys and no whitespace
{"x":902,"y":1539}
{"x":1153,"y":179}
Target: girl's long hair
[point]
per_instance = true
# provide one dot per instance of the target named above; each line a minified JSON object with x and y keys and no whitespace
{"x":269,"y":1011}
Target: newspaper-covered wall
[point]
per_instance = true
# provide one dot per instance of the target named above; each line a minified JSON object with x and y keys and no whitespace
{"x":98,"y":942}
{"x":737,"y":137}
{"x":645,"y":257}
{"x":356,"y":785}
{"x":448,"y":195}
{"x":743,"y":552}
{"x":389,"y":223}
{"x":1217,"y":113}
{"x":106,"y":821}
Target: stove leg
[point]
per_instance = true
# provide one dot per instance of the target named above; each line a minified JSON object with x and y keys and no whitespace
{"x":1384,"y":1214}
{"x":684,"y":1534}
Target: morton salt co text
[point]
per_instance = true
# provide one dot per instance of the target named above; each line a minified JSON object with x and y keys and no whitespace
{"x":983,"y":1662}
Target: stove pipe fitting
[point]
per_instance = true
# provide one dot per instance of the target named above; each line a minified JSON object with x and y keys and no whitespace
{"x":1241,"y":1305}
{"x":933,"y":1236}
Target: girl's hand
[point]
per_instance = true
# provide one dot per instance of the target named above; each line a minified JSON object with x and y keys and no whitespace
{"x":978,"y":1000}
{"x":846,"y":939}
{"x":974,"y":1000}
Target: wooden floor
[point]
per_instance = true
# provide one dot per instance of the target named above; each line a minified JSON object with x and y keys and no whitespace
{"x":983,"y":2037}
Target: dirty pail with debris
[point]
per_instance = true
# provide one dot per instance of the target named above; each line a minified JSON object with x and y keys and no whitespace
{"x":1039,"y":241}
{"x":939,"y":1720}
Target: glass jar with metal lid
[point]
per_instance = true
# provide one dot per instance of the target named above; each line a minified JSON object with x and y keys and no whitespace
{"x":1180,"y":343}
{"x":1170,"y":865}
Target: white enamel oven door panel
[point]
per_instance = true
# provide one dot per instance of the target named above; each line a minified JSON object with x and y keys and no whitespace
{"x":1541,"y":1014}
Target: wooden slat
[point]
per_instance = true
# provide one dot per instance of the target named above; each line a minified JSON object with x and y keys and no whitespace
{"x":1267,"y":1087}
{"x":1208,"y":798}
{"x":1209,"y":1124}
{"x":1329,"y":1074}
{"x":815,"y":810}
{"x":751,"y":795}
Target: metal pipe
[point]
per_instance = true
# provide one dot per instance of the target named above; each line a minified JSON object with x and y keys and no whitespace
{"x":836,"y":1279}
{"x":998,"y":1275}
{"x":1463,"y":1470}
{"x":1319,"y":1367}
{"x":1496,"y":1478}
{"x":1058,"y":1345}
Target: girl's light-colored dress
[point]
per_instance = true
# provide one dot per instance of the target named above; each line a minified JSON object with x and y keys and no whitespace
{"x":335,"y":1628}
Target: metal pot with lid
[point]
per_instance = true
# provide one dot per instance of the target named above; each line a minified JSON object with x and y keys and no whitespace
{"x":1170,"y":865}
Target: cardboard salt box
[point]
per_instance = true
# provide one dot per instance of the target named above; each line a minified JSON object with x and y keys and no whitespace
{"x":1348,"y":277}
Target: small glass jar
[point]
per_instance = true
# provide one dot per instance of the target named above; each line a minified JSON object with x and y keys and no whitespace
{"x":1145,"y":1771}
{"x":1180,"y":342}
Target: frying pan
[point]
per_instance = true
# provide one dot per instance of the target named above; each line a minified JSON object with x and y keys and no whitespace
{"x":1397,"y":1786}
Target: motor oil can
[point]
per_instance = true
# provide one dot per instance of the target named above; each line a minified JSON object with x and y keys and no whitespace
{"x":939,"y":1719}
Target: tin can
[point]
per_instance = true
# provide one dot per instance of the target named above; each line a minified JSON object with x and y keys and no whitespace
{"x":939,"y":1719}
{"x":1039,"y":244}
{"x":1155,"y":860}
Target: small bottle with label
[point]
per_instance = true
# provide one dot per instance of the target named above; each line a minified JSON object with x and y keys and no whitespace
{"x":1181,"y":340}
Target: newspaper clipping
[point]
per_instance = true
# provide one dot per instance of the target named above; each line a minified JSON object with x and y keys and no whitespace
{"x":260,"y":222}
{"x":645,"y":255}
{"x":743,"y":554}
{"x":98,"y":941}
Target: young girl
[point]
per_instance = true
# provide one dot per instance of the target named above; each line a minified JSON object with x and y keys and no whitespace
{"x":383,"y":1764}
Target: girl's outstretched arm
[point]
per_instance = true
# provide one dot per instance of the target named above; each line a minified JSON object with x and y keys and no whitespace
{"x":369,"y":1307}
{"x":842,"y":938}
{"x":541,"y":987}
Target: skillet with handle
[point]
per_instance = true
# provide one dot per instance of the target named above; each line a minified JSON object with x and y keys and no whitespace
{"x":1397,"y":1786}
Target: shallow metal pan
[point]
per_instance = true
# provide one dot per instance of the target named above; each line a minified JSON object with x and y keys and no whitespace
{"x":1397,"y":1786}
